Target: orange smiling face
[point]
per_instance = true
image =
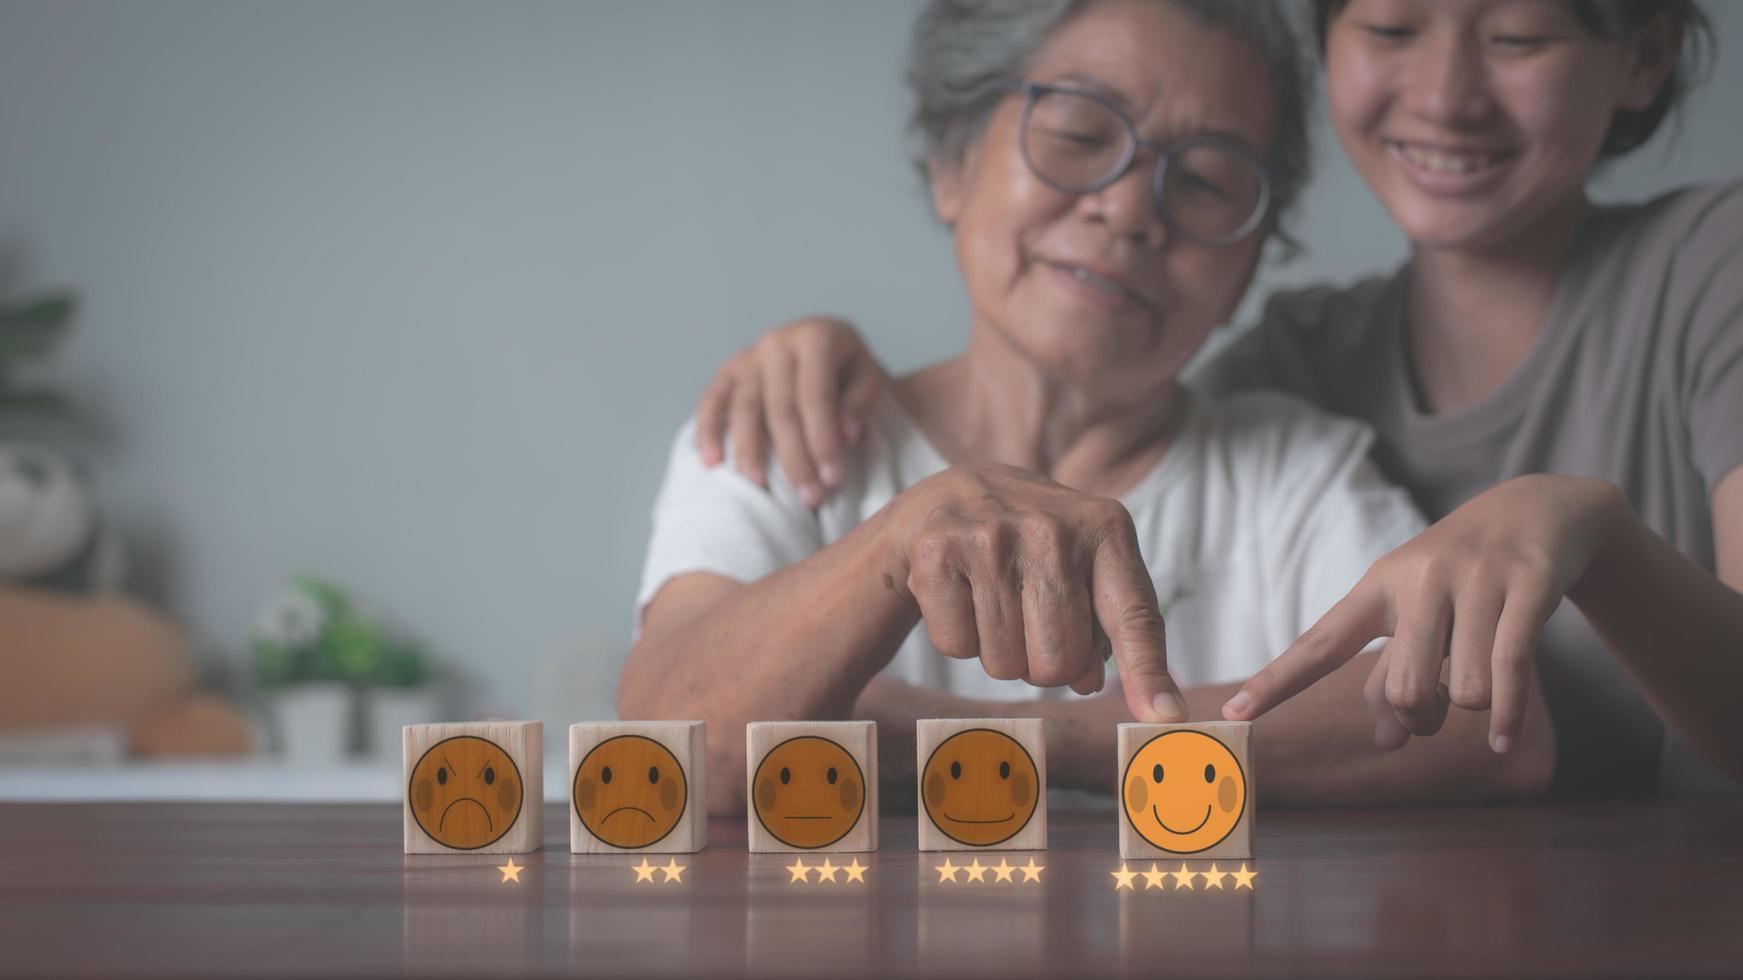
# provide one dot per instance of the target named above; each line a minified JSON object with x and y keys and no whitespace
{"x":980,"y":786}
{"x":809,"y":792}
{"x":1184,"y":791}
{"x":629,"y":791}
{"x":465,"y":792}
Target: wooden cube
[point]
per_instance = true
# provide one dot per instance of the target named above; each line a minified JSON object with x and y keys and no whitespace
{"x":1186,"y":790}
{"x":475,"y":787}
{"x":983,"y":784}
{"x":812,"y":785}
{"x":637,"y":786}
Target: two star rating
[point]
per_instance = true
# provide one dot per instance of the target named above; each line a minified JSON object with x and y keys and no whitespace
{"x":976,"y":871}
{"x":643,"y":871}
{"x":1213,"y":878}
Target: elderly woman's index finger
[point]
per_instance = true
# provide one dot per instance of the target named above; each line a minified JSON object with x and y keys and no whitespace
{"x":1327,"y":645}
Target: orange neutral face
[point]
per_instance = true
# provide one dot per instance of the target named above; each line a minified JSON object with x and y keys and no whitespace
{"x":1184,"y":791}
{"x":980,"y":787}
{"x":809,"y":792}
{"x":629,"y":791}
{"x":465,"y":792}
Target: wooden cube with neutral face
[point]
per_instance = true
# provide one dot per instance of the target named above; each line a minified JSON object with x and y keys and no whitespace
{"x":983,"y":784}
{"x":1186,"y":790}
{"x":475,"y":787}
{"x":637,"y":786}
{"x":812,"y":785}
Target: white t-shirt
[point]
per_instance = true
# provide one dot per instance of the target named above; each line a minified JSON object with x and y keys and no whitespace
{"x":1261,"y":515}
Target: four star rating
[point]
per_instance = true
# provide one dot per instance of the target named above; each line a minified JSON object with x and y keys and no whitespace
{"x":1127,"y":878}
{"x":974,"y":871}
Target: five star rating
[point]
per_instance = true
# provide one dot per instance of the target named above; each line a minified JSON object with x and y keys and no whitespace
{"x":1128,"y":879}
{"x":974,"y":872}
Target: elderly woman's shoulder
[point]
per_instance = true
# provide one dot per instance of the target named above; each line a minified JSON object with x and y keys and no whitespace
{"x":1279,"y":430}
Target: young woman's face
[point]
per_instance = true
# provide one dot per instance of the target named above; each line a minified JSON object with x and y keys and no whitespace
{"x":1473,"y":119}
{"x":1096,"y":287}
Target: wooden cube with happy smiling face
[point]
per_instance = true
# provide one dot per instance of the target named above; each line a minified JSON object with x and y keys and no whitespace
{"x":983,"y":784}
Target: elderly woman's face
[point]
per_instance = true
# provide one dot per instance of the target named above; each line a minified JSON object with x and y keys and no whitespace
{"x":1097,"y":287}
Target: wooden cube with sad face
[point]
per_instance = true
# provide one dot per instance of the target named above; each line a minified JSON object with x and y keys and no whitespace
{"x":1186,"y":790}
{"x":812,"y":785}
{"x":475,"y":786}
{"x":637,"y":786}
{"x":983,"y":784}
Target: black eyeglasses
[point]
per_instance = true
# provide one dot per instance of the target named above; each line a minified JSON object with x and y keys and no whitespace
{"x":1209,"y":188}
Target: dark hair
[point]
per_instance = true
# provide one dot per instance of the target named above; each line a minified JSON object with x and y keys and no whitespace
{"x":964,"y":53}
{"x":1613,"y":20}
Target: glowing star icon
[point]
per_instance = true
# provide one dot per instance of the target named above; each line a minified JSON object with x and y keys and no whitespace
{"x":826,"y":872}
{"x":1214,"y":878}
{"x":1153,"y":877}
{"x":644,"y":871}
{"x":855,"y":871}
{"x":976,"y":871}
{"x":511,"y":871}
{"x":1244,"y":878}
{"x":1183,"y":878}
{"x":1003,"y":871}
{"x":798,"y":871}
{"x":673,"y":870}
{"x":1123,"y":878}
{"x":1031,"y":871}
{"x":947,"y":871}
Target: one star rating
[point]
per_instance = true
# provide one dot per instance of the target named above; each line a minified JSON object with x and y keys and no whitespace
{"x":975,"y":872}
{"x":511,"y":871}
{"x":672,"y":870}
{"x":1126,"y":877}
{"x":801,"y":872}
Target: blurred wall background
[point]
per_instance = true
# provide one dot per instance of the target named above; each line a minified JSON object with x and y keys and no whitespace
{"x":415,"y":295}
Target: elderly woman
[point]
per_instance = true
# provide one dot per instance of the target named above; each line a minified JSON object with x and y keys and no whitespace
{"x":1109,"y":178}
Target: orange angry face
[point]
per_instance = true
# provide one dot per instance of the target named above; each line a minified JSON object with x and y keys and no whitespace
{"x":465,"y":792}
{"x":980,"y":787}
{"x":1184,"y":791}
{"x":629,"y":791}
{"x":809,"y":792}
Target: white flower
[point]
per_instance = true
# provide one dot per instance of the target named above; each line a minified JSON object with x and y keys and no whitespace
{"x":291,"y":619}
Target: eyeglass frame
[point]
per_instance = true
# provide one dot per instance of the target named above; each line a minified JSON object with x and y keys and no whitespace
{"x":1034,"y":91}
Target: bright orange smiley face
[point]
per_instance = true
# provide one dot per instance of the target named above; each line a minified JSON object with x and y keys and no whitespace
{"x":981,"y":787}
{"x":629,"y":791}
{"x":1184,"y":791}
{"x":809,"y":792}
{"x":465,"y":792}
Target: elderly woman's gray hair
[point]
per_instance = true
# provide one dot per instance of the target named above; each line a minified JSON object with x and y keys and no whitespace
{"x":964,"y":53}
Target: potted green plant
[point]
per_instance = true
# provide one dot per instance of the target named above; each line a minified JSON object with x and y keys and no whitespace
{"x":298,"y":669}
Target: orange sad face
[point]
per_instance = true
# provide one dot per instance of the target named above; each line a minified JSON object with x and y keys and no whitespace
{"x":465,"y":792}
{"x":629,"y":791}
{"x":980,"y":787}
{"x":809,"y":792}
{"x":1184,"y":791}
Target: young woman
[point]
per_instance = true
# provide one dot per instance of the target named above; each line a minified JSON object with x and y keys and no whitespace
{"x":1559,"y":385}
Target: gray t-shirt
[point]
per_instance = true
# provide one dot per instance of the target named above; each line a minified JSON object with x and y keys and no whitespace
{"x":1637,"y":378}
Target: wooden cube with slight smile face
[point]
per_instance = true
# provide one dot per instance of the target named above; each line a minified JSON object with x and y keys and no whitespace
{"x":812,"y":785}
{"x":637,"y":786}
{"x":983,"y":784}
{"x":474,"y":787}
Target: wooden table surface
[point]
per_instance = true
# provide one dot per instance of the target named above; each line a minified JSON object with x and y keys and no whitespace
{"x":1648,"y":888}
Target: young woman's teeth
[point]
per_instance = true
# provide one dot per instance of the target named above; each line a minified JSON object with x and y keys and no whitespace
{"x":1446,"y":163}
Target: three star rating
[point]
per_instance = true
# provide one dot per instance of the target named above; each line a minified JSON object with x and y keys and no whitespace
{"x":1126,"y":878}
{"x":974,"y":871}
{"x":801,"y":872}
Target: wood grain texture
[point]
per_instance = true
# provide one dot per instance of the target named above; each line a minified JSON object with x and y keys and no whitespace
{"x":811,"y":785}
{"x":460,"y":798}
{"x":643,"y":806}
{"x":1157,"y":816}
{"x":982,"y":784}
